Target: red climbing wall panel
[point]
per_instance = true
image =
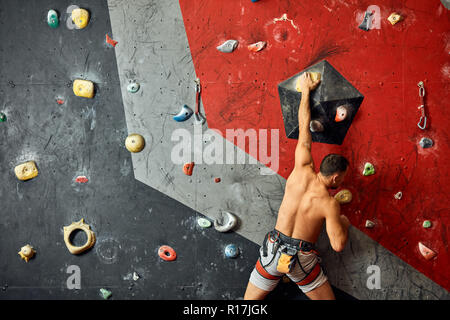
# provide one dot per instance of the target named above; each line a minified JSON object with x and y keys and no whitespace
{"x":385,"y":65}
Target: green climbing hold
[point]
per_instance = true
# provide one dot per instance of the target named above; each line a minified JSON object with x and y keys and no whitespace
{"x":204,"y":223}
{"x":2,"y":117}
{"x":52,"y":19}
{"x":369,"y":169}
{"x":427,"y":224}
{"x":105,"y":293}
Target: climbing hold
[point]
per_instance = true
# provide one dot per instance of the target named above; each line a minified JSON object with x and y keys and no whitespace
{"x":316,"y":126}
{"x":398,"y":195}
{"x":188,"y":168}
{"x":2,"y":117}
{"x":105,"y":293}
{"x":204,"y":223}
{"x":394,"y":18}
{"x":255,"y":0}
{"x":228,"y":46}
{"x":26,"y":171}
{"x":81,"y":179}
{"x":80,"y":17}
{"x":184,"y":114}
{"x":135,"y":143}
{"x":27,"y":252}
{"x":167,"y":253}
{"x":315,"y":76}
{"x":343,"y":196}
{"x":111,"y":41}
{"x":285,"y":279}
{"x":426,"y":252}
{"x":226,"y":222}
{"x":258,"y":46}
{"x":366,"y":23}
{"x":217,"y":180}
{"x":80,"y":225}
{"x":59,"y":101}
{"x":426,"y":224}
{"x":342,"y":113}
{"x":52,"y":19}
{"x":370,"y":224}
{"x":133,"y":87}
{"x":426,"y":143}
{"x":83,"y":88}
{"x":135,"y":276}
{"x":369,"y":169}
{"x":231,"y":251}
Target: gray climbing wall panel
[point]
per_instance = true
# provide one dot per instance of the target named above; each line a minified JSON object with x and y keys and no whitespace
{"x":153,"y":50}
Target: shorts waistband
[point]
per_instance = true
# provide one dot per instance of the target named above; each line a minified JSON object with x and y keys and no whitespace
{"x":296,"y":243}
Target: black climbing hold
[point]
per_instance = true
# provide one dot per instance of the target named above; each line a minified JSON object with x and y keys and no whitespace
{"x":333,"y":91}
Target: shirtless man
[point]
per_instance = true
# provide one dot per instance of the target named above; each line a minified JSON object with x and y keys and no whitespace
{"x":289,"y":248}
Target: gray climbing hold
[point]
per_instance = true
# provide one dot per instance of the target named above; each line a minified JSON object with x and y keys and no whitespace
{"x":228,"y":46}
{"x":426,"y":143}
{"x":227,"y":222}
{"x":133,"y":87}
{"x":231,"y":251}
{"x":316,"y":126}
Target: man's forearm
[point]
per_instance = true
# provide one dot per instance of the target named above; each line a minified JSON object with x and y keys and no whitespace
{"x":304,"y":118}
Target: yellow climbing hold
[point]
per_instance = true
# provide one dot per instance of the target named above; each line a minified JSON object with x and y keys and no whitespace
{"x":315,"y":76}
{"x":343,"y":196}
{"x":83,"y":88}
{"x":26,"y":252}
{"x":26,"y":171}
{"x":135,"y":142}
{"x":80,"y":17}
{"x":80,"y":225}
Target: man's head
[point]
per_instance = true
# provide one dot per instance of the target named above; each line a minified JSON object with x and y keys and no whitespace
{"x":333,"y":168}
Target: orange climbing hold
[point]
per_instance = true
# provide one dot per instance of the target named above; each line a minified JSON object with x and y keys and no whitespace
{"x":167,"y":253}
{"x":258,"y":46}
{"x":188,"y":168}
{"x":426,"y":252}
{"x":111,"y":41}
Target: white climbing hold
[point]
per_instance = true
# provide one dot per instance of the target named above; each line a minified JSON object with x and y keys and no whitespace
{"x":135,"y":276}
{"x":227,"y":222}
{"x":370,"y":224}
{"x":398,"y":195}
{"x":228,"y":46}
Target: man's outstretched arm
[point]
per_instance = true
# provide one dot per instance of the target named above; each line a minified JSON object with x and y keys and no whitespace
{"x":303,"y":150}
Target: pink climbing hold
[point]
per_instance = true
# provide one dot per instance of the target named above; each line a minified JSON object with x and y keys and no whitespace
{"x":110,"y":41}
{"x":426,"y":252}
{"x":81,"y":179}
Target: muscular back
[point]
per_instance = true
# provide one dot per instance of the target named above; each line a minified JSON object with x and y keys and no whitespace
{"x":303,"y":209}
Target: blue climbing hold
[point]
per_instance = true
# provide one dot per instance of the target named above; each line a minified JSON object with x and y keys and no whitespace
{"x":231,"y":251}
{"x":184,"y":114}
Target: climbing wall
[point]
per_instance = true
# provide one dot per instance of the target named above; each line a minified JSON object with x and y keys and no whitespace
{"x":167,"y":45}
{"x":384,"y":64}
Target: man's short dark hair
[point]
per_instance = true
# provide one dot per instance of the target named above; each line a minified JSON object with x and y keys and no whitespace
{"x":333,"y":163}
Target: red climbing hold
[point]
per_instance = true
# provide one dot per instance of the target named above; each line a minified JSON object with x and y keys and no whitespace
{"x":81,"y":179}
{"x":188,"y":168}
{"x":59,"y":101}
{"x":110,"y":41}
{"x":217,"y":180}
{"x":426,"y":252}
{"x":167,"y":253}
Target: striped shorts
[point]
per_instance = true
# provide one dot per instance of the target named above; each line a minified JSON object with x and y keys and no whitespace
{"x":306,"y":271}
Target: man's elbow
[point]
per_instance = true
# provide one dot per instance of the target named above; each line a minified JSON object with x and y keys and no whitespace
{"x":339,"y":246}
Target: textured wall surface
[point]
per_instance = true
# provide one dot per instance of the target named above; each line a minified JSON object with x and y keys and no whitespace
{"x":155,"y":52}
